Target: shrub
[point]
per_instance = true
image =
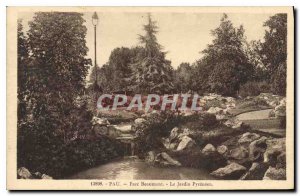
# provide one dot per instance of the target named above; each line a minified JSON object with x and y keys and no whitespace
{"x":253,"y":88}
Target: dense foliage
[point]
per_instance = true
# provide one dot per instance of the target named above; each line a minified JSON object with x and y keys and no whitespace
{"x":229,"y":65}
{"x":51,"y":80}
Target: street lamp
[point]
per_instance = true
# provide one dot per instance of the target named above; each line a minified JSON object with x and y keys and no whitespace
{"x":95,"y":18}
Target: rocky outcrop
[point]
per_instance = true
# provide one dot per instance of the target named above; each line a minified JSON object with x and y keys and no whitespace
{"x":222,"y":149}
{"x":238,"y":153}
{"x":275,"y":174}
{"x":185,"y":143}
{"x":139,"y":120}
{"x":280,"y":111}
{"x":174,"y":133}
{"x":234,"y":123}
{"x":231,"y":171}
{"x":275,"y":149}
{"x":167,"y":160}
{"x":208,"y":149}
{"x":44,"y":176}
{"x":214,"y":110}
{"x":256,"y":172}
{"x":24,"y":173}
{"x":100,"y":121}
{"x":162,"y":159}
{"x":248,"y":137}
{"x":150,"y":157}
{"x":257,"y":149}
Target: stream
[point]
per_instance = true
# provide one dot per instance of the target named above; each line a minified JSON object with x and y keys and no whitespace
{"x":132,"y":168}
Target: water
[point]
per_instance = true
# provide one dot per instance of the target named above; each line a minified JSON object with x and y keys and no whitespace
{"x":136,"y":169}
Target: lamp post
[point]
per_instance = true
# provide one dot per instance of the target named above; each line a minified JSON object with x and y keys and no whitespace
{"x":97,"y":89}
{"x":95,"y":22}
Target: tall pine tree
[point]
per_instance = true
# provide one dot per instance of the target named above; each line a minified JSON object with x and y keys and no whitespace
{"x":228,"y":65}
{"x":152,"y":73}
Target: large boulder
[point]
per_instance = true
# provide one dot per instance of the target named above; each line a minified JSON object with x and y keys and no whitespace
{"x":222,"y":149}
{"x":275,"y":174}
{"x":238,"y":153}
{"x":100,"y":130}
{"x":24,"y":173}
{"x":150,"y":157}
{"x":280,"y":111}
{"x":139,"y":120}
{"x":185,"y":143}
{"x":166,"y":160}
{"x":256,"y":172}
{"x":208,"y":149}
{"x":37,"y":175}
{"x":214,"y":110}
{"x":169,"y":145}
{"x":174,"y":133}
{"x":46,"y":177}
{"x":281,"y":160}
{"x":257,"y":149}
{"x":275,"y":148}
{"x":232,"y":171}
{"x":186,"y":132}
{"x":100,"y":121}
{"x":248,"y":137}
{"x":234,"y":123}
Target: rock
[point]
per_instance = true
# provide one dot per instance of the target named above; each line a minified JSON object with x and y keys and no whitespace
{"x":186,"y":132}
{"x":44,"y":176}
{"x":273,"y":103}
{"x":185,"y":143}
{"x":234,"y":123}
{"x":37,"y":175}
{"x":169,"y":160}
{"x":174,"y":133}
{"x":280,"y":111}
{"x":256,"y":172}
{"x":168,"y":145}
{"x":139,"y":120}
{"x":230,"y":99}
{"x":100,"y":130}
{"x":222,"y":149}
{"x":272,"y":114}
{"x":282,"y":102}
{"x":238,"y":153}
{"x":248,"y":137}
{"x":100,"y":121}
{"x":208,"y":149}
{"x":275,"y":147}
{"x":281,"y":160}
{"x":220,"y":116}
{"x":257,"y":149}
{"x":214,"y":110}
{"x":232,"y":171}
{"x":275,"y":174}
{"x":24,"y":173}
{"x":173,"y":146}
{"x":150,"y":158}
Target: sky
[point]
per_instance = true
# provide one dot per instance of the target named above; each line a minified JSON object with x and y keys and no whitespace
{"x":182,"y":35}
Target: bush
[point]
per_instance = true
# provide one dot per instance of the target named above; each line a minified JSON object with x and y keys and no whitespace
{"x":253,"y":88}
{"x":40,"y":150}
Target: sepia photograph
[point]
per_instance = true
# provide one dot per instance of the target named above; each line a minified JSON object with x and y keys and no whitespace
{"x":150,"y":98}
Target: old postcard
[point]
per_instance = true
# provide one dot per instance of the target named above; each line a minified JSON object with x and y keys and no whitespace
{"x":150,"y":98}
